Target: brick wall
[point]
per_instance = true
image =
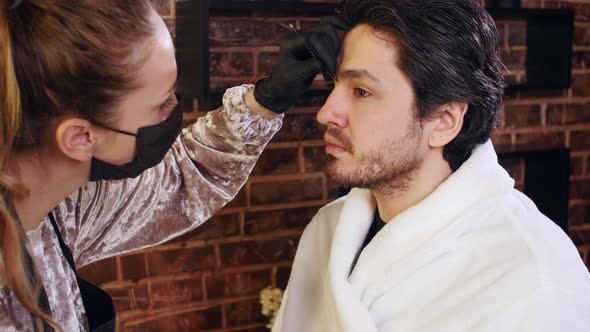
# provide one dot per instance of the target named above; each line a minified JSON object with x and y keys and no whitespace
{"x":210,"y":279}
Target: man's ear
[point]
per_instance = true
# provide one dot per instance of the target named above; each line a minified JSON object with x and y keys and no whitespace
{"x":74,"y":139}
{"x":447,"y":123}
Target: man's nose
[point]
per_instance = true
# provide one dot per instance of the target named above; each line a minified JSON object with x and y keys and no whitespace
{"x":333,"y":113}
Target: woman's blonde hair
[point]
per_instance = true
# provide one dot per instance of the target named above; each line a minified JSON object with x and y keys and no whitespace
{"x":57,"y":56}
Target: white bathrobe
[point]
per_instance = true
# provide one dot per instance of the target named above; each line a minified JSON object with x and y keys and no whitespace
{"x":475,"y":255}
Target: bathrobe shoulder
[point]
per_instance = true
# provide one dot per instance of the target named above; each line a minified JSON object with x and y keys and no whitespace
{"x":475,"y":255}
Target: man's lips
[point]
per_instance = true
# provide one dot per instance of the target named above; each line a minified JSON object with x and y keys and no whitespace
{"x":332,"y":147}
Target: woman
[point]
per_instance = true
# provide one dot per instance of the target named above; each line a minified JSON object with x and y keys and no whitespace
{"x":93,"y":160}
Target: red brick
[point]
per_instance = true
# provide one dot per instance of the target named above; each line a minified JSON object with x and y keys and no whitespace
{"x":277,"y":161}
{"x":236,"y":284}
{"x":542,"y":93}
{"x":502,"y":117}
{"x":570,"y":113}
{"x":514,"y":79}
{"x":531,"y":3}
{"x":552,"y":4}
{"x":286,"y":192}
{"x":581,"y":35}
{"x":580,"y":60}
{"x":579,"y":113}
{"x":282,"y":277}
{"x":514,"y":167}
{"x":309,"y":23}
{"x":582,"y":11}
{"x":517,"y":34}
{"x":218,"y":226}
{"x":240,"y":199}
{"x":502,"y":141}
{"x":177,"y":292}
{"x":577,"y":165}
{"x":141,"y":298}
{"x":315,"y":158}
{"x":580,"y":140}
{"x":192,"y":321}
{"x":266,"y":62}
{"x":180,"y":260}
{"x":133,"y":266}
{"x":269,"y":221}
{"x":219,"y":86}
{"x":257,"y":252}
{"x":579,"y":214}
{"x":540,"y":140}
{"x":312,"y":98}
{"x":120,"y":299}
{"x":579,"y":189}
{"x":244,"y":313}
{"x":231,"y":64}
{"x":581,"y":85}
{"x":100,"y":272}
{"x":243,"y":32}
{"x":514,"y":59}
{"x":523,"y":116}
{"x":579,"y":237}
{"x":131,"y":298}
{"x":555,"y":114}
{"x":299,"y":127}
{"x":501,"y":27}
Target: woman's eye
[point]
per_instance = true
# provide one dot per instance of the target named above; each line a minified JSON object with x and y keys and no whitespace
{"x":361,"y":93}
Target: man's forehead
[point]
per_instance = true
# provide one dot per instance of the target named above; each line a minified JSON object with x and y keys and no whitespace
{"x":366,"y":49}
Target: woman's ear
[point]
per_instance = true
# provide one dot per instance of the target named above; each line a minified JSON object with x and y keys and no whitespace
{"x":74,"y":139}
{"x":448,"y":123}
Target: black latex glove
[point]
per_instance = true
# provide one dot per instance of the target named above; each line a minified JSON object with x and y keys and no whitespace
{"x":298,"y":66}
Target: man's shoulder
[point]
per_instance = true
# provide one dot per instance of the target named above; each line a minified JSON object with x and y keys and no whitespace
{"x":334,"y":206}
{"x":325,"y":220}
{"x":329,"y":212}
{"x":527,"y":240}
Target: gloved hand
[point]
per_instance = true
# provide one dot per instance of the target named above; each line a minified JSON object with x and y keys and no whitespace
{"x":298,"y":66}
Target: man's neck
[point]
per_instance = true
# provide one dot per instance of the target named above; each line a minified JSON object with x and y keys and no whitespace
{"x":49,"y":181}
{"x":433,"y":172}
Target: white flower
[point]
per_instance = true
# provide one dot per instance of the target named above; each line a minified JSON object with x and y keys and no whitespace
{"x":270,"y":298}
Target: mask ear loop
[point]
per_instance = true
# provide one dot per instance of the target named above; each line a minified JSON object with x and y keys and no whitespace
{"x":115,"y":130}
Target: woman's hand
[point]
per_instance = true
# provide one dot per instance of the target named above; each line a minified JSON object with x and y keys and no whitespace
{"x":298,"y":65}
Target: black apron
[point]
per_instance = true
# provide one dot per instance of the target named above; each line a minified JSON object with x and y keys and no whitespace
{"x":98,"y":305}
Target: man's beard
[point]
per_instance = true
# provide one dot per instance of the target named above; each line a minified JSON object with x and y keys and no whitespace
{"x":388,"y":170}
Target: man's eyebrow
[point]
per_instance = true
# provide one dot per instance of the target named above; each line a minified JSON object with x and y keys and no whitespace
{"x":358,"y":73}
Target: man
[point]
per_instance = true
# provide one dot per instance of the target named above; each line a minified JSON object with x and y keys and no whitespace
{"x":433,"y":237}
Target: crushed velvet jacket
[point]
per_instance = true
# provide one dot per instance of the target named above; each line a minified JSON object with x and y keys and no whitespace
{"x":207,"y":165}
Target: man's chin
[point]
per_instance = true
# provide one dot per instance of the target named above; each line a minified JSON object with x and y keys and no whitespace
{"x":336,"y":174}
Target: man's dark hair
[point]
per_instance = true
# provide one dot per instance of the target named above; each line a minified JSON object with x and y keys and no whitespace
{"x":448,"y":50}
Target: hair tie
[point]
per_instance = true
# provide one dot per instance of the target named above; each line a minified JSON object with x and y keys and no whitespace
{"x":15,"y":3}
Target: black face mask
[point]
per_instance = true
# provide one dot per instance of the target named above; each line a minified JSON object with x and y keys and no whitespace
{"x":152,"y":142}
